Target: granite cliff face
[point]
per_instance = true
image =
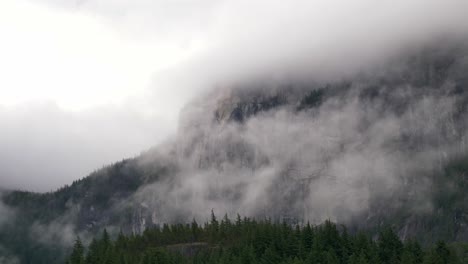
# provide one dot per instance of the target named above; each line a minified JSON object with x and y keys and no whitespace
{"x":386,"y":146}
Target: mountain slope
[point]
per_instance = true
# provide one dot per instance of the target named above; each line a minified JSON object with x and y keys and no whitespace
{"x":385,"y":146}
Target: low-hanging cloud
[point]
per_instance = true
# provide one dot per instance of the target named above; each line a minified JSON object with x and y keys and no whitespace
{"x":227,"y":43}
{"x":313,"y":40}
{"x":342,"y":160}
{"x":234,"y":41}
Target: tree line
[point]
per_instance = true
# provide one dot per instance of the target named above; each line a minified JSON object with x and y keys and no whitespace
{"x":250,"y":241}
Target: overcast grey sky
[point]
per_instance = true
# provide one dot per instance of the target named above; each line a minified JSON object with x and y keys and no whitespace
{"x":85,"y":83}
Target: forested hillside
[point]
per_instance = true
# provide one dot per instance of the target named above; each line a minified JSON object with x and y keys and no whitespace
{"x":43,"y":225}
{"x":248,"y":241}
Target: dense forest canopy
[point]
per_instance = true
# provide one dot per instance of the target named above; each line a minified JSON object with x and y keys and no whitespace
{"x":248,"y":241}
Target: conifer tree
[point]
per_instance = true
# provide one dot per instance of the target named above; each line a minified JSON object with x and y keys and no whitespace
{"x":390,"y":246}
{"x":77,"y":255}
{"x":249,"y":241}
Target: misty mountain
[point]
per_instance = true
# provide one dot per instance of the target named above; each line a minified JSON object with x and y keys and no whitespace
{"x":384,"y":146}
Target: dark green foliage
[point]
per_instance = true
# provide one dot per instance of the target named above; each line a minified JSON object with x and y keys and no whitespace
{"x":248,"y":241}
{"x":77,"y":256}
{"x":390,"y":246}
{"x":441,"y":254}
{"x":96,"y":193}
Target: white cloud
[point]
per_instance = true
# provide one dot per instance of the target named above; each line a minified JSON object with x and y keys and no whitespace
{"x":85,"y":56}
{"x":73,"y":58}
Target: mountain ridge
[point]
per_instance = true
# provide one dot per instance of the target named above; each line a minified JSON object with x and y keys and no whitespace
{"x":384,"y":147}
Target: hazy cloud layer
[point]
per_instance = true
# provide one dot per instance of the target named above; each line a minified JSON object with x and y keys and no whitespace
{"x":201,"y":46}
{"x":7,"y":258}
{"x":370,"y":148}
{"x":6,"y":213}
{"x":44,"y":147}
{"x":335,"y":164}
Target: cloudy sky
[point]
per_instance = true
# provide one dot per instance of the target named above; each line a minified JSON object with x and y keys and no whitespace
{"x":84,"y":83}
{"x":76,"y":85}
